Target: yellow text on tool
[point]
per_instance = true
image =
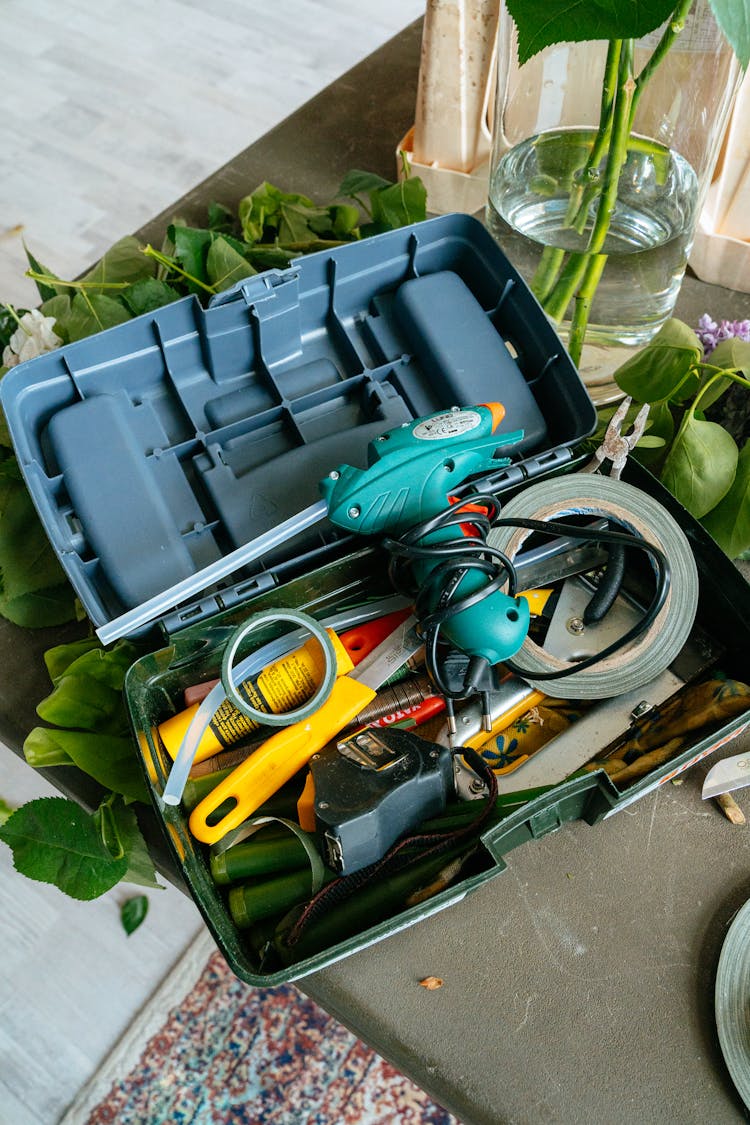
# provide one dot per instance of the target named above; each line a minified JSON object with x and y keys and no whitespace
{"x":270,"y":766}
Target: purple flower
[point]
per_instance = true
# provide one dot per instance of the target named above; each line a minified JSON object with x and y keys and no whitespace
{"x":710,"y":333}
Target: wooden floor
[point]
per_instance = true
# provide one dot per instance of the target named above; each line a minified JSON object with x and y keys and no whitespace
{"x":110,"y":112}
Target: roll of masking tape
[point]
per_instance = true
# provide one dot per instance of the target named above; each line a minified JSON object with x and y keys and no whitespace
{"x":636,"y":512}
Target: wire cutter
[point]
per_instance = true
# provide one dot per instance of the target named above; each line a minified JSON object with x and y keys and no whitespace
{"x":616,"y":446}
{"x":273,"y":764}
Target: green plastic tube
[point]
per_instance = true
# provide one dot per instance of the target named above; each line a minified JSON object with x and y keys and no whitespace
{"x":252,"y":902}
{"x":270,"y":851}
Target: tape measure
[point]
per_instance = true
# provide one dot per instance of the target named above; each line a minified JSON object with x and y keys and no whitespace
{"x":635,"y":511}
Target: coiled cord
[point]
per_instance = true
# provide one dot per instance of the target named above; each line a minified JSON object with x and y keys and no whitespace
{"x":436,"y":599}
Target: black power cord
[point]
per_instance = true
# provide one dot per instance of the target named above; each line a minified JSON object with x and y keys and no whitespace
{"x":436,"y":600}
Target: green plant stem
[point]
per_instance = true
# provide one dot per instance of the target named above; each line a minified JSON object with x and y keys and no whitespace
{"x":673,"y":29}
{"x":584,"y":297}
{"x":49,"y":279}
{"x":621,"y":92}
{"x":718,"y":373}
{"x":566,"y":286}
{"x":617,"y":155}
{"x":547,"y":272}
{"x":172,"y":266}
{"x":582,"y":192}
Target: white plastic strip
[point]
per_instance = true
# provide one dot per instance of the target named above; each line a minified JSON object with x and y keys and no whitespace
{"x":160,"y":604}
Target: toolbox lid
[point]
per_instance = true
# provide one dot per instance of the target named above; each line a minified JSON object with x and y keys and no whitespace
{"x":155,"y":448}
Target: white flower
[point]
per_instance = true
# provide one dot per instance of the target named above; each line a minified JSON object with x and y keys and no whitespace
{"x":33,"y":337}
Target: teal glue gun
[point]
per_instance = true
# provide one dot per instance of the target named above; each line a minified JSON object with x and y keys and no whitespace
{"x":412,"y":472}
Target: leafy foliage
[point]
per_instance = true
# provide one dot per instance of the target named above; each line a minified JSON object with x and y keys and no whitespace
{"x":33,"y":587}
{"x":90,"y":725}
{"x":696,"y":459}
{"x":560,"y":21}
{"x":55,"y":841}
{"x":84,"y":854}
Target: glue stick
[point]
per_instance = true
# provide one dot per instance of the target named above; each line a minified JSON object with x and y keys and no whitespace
{"x":281,"y":686}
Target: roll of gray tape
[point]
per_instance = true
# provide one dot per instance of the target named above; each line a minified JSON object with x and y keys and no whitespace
{"x":649,"y":654}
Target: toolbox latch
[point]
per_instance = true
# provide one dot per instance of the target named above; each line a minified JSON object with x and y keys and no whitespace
{"x":545,"y":821}
{"x":259,"y":287}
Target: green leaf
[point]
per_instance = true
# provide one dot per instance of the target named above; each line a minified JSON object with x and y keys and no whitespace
{"x":344,"y":220}
{"x":88,"y":693}
{"x":141,"y":870}
{"x":45,"y":289}
{"x":262,"y":210}
{"x":733,"y":17}
{"x":700,"y":466}
{"x":729,"y":521}
{"x":55,"y":841}
{"x":5,"y":810}
{"x":123,"y":262}
{"x":299,"y":223}
{"x":148,"y":294}
{"x":357,"y":183}
{"x":660,"y":429}
{"x":33,"y":590}
{"x":732,"y":355}
{"x":123,"y":823}
{"x":220,"y":218}
{"x":60,"y":307}
{"x":664,"y":369}
{"x":60,"y":657}
{"x":563,"y":21}
{"x":53,"y":605}
{"x":133,"y":912}
{"x":41,"y":749}
{"x":191,"y":246}
{"x":399,"y":205}
{"x":225,"y":266}
{"x":268,"y":257}
{"x":109,"y":759}
{"x":94,"y":313}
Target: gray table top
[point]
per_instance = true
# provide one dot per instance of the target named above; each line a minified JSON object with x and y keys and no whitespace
{"x":578,"y":985}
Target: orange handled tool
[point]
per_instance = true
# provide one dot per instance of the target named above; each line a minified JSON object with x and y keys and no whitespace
{"x":289,"y":749}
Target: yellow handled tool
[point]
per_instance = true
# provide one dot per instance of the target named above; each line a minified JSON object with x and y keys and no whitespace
{"x":284,"y":753}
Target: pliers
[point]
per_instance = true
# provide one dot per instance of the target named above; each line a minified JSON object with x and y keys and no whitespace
{"x":616,"y":446}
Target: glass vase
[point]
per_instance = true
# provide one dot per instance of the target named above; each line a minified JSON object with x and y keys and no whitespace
{"x":608,"y":280}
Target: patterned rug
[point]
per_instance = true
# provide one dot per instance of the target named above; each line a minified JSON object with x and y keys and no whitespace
{"x":210,"y":1050}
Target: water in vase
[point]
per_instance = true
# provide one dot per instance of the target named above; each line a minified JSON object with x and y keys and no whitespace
{"x":650,"y":234}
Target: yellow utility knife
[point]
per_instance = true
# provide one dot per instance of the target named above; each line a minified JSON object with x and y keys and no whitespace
{"x":270,"y":766}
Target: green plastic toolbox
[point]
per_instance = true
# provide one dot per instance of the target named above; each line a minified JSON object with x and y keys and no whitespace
{"x":161,"y":445}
